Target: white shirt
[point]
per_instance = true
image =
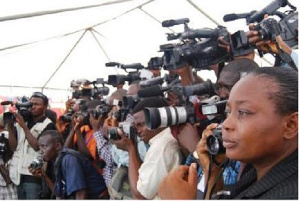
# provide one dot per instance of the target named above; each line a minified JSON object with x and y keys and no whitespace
{"x":162,"y":156}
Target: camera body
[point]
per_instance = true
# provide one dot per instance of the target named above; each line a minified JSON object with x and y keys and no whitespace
{"x":23,"y":109}
{"x":121,"y":114}
{"x":126,"y":127}
{"x":130,"y":101}
{"x":215,"y":142}
{"x":101,"y":110}
{"x":199,"y":48}
{"x":116,"y":80}
{"x":268,"y":29}
{"x":37,"y":163}
{"x":67,"y":117}
{"x":3,"y":145}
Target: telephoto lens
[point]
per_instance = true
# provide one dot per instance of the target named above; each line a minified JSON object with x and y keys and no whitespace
{"x":215,"y":142}
{"x":167,"y":116}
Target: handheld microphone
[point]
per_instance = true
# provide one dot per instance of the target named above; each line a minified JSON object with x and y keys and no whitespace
{"x":151,"y":82}
{"x":234,"y":16}
{"x":269,"y":9}
{"x":111,"y":64}
{"x":170,"y":23}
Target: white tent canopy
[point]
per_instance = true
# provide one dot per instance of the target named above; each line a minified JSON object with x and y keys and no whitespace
{"x":46,"y":44}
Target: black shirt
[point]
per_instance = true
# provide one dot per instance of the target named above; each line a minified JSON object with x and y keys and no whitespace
{"x":281,"y":182}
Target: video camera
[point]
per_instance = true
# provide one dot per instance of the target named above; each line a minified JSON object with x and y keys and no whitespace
{"x":198,"y":48}
{"x":269,"y":27}
{"x":5,"y":151}
{"x":101,"y":110}
{"x":116,"y":80}
{"x":155,"y":63}
{"x":23,"y":109}
{"x":90,"y":92}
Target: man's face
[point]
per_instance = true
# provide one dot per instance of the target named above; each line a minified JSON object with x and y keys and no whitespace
{"x":38,"y":107}
{"x":225,"y":83}
{"x":253,"y":130}
{"x":48,"y":147}
{"x":139,"y":121}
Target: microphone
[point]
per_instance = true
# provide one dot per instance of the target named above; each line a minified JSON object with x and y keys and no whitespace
{"x":152,"y":81}
{"x":155,"y":90}
{"x":270,"y":9}
{"x":132,"y":66}
{"x":200,"y":33}
{"x":111,"y":64}
{"x":170,"y":23}
{"x":233,"y":16}
{"x":6,"y":103}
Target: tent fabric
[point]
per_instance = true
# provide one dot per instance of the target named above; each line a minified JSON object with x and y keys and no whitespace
{"x":46,"y":44}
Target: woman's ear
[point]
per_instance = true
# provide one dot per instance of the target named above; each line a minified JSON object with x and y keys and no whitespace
{"x":291,"y":126}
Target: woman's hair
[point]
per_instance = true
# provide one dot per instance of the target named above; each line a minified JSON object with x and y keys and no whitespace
{"x":286,"y":96}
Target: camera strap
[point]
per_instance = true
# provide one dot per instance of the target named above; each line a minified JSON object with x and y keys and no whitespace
{"x":283,"y":56}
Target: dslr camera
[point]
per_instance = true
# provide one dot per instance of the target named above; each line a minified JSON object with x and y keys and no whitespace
{"x":127,"y":128}
{"x":101,"y":110}
{"x":67,"y":117}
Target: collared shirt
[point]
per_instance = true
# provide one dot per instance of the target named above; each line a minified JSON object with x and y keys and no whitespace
{"x":104,"y":151}
{"x":163,"y":155}
{"x":121,"y":157}
{"x":281,"y":182}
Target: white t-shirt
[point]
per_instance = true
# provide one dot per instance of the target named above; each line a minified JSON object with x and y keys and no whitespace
{"x":162,"y":156}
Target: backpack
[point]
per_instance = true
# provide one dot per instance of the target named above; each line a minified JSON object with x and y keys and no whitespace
{"x":119,"y":188}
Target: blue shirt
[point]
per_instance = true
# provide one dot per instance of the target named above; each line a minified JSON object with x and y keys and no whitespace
{"x":79,"y":175}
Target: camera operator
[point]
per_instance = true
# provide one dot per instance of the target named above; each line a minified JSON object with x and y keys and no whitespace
{"x":81,"y":137}
{"x":119,"y":188}
{"x":162,"y":156}
{"x":260,"y":131}
{"x":76,"y":177}
{"x":8,"y":190}
{"x":25,"y":146}
{"x":121,"y":157}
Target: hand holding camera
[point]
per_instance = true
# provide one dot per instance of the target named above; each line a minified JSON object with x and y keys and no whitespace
{"x":19,"y":119}
{"x":123,"y":142}
{"x":36,"y":167}
{"x":203,"y":150}
{"x":95,"y":122}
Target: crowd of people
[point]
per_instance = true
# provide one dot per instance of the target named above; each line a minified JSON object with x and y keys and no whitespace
{"x":99,"y":149}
